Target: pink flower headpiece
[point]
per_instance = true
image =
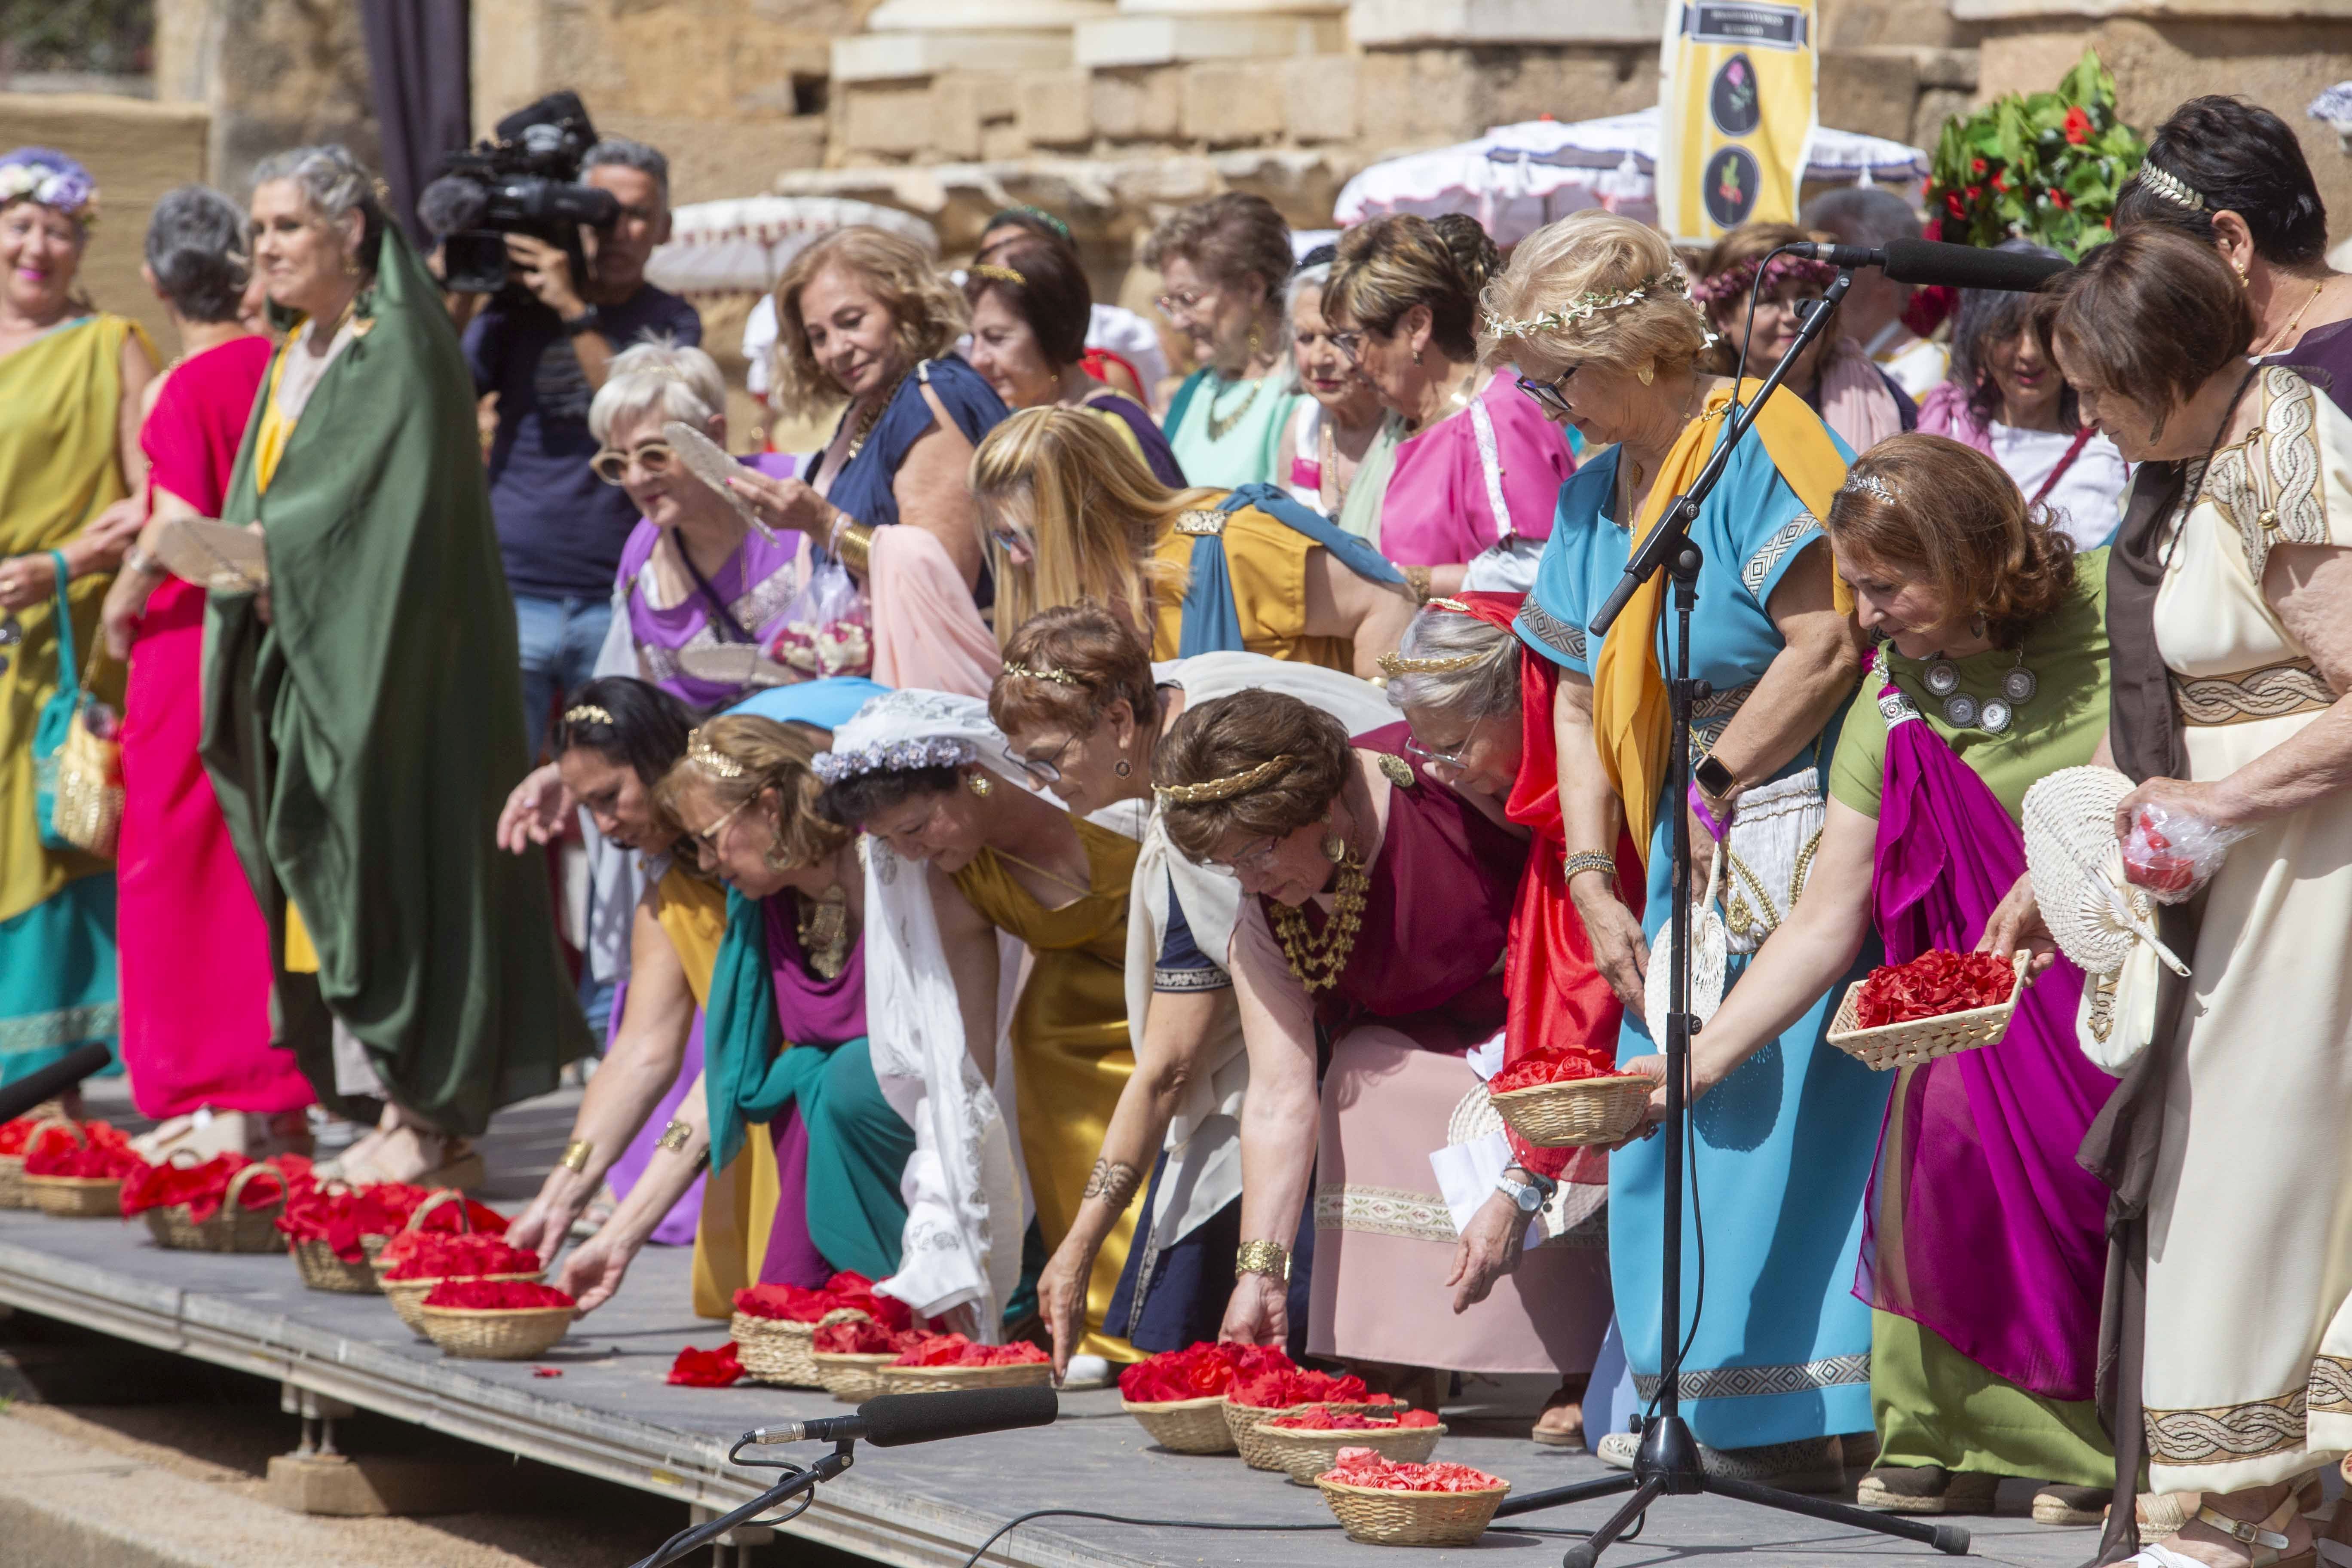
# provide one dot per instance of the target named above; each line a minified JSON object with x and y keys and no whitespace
{"x":1733,"y":282}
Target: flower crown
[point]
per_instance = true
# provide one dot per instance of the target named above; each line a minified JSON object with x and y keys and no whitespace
{"x":1584,"y":307}
{"x":67,"y":191}
{"x":1045,"y":672}
{"x":586,"y":713}
{"x":1733,"y":282}
{"x":930,"y":752}
{"x":1227,"y":787}
{"x":2172,"y":188}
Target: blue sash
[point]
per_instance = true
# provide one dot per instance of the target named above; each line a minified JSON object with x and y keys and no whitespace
{"x":1213,"y":619}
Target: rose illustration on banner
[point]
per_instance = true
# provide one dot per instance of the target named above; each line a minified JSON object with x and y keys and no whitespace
{"x":1731,"y":99}
{"x":1732,"y":181}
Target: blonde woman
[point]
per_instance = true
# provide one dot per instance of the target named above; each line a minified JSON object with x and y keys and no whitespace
{"x":1069,"y":514}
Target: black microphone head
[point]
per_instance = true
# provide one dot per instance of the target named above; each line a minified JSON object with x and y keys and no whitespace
{"x":892,"y":1419}
{"x":1965,"y":266}
{"x":450,"y":204}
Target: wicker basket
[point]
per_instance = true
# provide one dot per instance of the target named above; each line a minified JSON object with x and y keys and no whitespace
{"x":323,"y":1270}
{"x":76,"y":1197}
{"x":778,"y":1350}
{"x":947,"y":1379}
{"x":14,"y":1193}
{"x":1578,"y":1111}
{"x":1306,"y":1452}
{"x":1377,"y":1518}
{"x":1242,"y":1421}
{"x":232,"y":1228}
{"x":497,"y":1333}
{"x":1185,"y":1425}
{"x":407,"y":1296}
{"x":1894,"y":1046}
{"x":851,"y":1376}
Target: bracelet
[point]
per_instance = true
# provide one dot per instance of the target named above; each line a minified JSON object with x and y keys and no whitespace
{"x":1588,"y":860}
{"x":852,"y":544}
{"x":138,"y":560}
{"x":1705,"y":813}
{"x":575,"y":1155}
{"x":674,"y":1136}
{"x":1114,"y":1183}
{"x":1269,"y":1257}
{"x":1416,"y":582}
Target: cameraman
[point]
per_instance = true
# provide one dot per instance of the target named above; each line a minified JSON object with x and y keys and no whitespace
{"x":560,"y":528}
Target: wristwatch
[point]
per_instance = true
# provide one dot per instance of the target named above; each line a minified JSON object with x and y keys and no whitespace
{"x":1714,"y":777}
{"x":1530,"y":1195}
{"x":588,"y":320}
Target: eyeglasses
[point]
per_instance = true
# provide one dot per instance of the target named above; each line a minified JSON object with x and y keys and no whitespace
{"x":706,"y":841}
{"x":1421,"y":754}
{"x":1256,"y":859}
{"x":1350,"y":343}
{"x":1173,"y":305}
{"x":1047,"y":770}
{"x":1548,"y":394}
{"x":612,"y":465}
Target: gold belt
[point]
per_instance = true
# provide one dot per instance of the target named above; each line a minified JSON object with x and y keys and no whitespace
{"x":2272,"y":692}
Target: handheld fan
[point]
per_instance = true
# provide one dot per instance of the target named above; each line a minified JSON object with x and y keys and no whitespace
{"x":2077,"y":867}
{"x":706,"y":460}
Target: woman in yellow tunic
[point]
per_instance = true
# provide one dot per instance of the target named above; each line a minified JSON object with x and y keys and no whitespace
{"x":71,"y":382}
{"x":966,"y":859}
{"x":1068,"y":515}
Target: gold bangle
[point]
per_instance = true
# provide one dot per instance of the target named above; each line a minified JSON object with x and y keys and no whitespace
{"x":854,"y":544}
{"x":674,"y":1136}
{"x":576,"y":1154}
{"x":1269,"y":1257}
{"x":1416,"y":583}
{"x":1589,"y":860}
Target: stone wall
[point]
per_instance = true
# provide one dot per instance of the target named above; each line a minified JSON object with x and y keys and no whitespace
{"x":270,"y":74}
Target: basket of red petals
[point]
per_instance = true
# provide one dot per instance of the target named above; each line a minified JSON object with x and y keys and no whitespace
{"x":225,"y":1204}
{"x":16,"y":1139}
{"x":1291,"y":1391}
{"x":1379,"y":1502}
{"x":1308,"y":1443}
{"x":849,"y":1350}
{"x":1939,"y":1003}
{"x":939,"y":1364}
{"x":1568,"y":1101}
{"x":1178,"y":1397}
{"x":496,"y":1319}
{"x":333,"y":1230}
{"x":774,"y":1325}
{"x":433,"y":1258}
{"x":81,"y":1181}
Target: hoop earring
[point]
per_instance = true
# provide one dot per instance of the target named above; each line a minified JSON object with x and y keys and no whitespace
{"x":774,"y":860}
{"x":1417,"y":356}
{"x":352,"y":265}
{"x":1122,"y":767}
{"x":977,"y":784}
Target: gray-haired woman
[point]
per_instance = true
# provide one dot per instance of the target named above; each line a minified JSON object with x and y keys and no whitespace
{"x":1341,"y":441}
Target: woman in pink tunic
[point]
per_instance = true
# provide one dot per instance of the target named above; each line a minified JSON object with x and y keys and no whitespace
{"x":196,"y":957}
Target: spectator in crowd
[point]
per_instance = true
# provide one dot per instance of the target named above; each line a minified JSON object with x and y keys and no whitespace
{"x":1222,"y":264}
{"x":1873,"y":312}
{"x":1342,"y":440}
{"x":1122,"y":348}
{"x":559,"y":531}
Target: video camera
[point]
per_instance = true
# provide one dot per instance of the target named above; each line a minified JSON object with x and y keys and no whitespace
{"x":524,"y":181}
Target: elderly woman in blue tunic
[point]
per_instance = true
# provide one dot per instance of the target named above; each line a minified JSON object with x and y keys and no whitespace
{"x":1594,"y":315}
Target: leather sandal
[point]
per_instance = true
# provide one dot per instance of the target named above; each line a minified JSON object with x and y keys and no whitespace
{"x":2265,"y":1540}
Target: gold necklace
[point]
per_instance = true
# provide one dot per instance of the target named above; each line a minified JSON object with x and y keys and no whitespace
{"x":823,"y":930}
{"x":1317,"y":961}
{"x":1220,"y":427}
{"x":2277,"y":340}
{"x":867,"y":420}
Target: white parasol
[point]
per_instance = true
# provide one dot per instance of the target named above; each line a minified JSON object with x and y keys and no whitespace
{"x":2077,"y":866}
{"x":743,"y":245}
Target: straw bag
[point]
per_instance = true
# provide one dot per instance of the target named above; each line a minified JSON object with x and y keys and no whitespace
{"x":1769,"y":851}
{"x":76,"y":762}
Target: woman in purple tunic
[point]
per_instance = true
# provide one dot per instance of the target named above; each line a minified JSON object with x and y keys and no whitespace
{"x":1984,"y":1253}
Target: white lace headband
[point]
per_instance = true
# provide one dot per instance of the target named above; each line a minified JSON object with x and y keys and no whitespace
{"x":914,"y":729}
{"x":1584,"y":307}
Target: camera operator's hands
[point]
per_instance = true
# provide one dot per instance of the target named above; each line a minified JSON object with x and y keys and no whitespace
{"x":546,"y":271}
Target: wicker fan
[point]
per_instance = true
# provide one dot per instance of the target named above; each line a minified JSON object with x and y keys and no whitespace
{"x":1710,"y":953}
{"x":213,"y":554}
{"x":2078,"y":870}
{"x":734,"y":663}
{"x":706,"y":460}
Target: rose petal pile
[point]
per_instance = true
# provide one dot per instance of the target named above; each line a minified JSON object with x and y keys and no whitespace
{"x":1932,"y":984}
{"x":954,"y":1349}
{"x":104,"y":1152}
{"x":863,"y":1336}
{"x":846,"y":1289}
{"x":202,"y":1187}
{"x":433,"y":1257}
{"x":340,"y":1217}
{"x":1199,"y":1370}
{"x":1366,"y":1467}
{"x":1280,"y":1389}
{"x":706,"y":1369}
{"x":501,"y":1295}
{"x":1349,"y":1421}
{"x":1533,"y":1072}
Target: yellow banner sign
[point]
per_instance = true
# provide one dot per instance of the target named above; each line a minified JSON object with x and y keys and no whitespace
{"x":1736,"y":114}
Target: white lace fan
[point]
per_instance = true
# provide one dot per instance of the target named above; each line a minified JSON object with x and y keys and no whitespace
{"x":2077,"y":867}
{"x":1711,"y":958}
{"x":706,"y":460}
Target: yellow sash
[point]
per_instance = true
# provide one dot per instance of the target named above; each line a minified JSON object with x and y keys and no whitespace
{"x":1631,"y":712}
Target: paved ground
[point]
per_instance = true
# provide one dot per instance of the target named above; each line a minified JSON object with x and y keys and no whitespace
{"x":914,"y":1503}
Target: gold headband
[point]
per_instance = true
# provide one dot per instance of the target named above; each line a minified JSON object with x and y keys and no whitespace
{"x":1227,"y":787}
{"x":1395,"y":664}
{"x":1002,"y":274}
{"x":711,"y":761}
{"x":586,"y":713}
{"x":1045,"y":672}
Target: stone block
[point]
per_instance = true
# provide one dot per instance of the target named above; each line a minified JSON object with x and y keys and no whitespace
{"x":374,"y":1488}
{"x":955,"y":116}
{"x":1233,"y":103}
{"x":1055,"y":109}
{"x":710,"y":160}
{"x":1318,"y":97}
{"x":1144,"y":39}
{"x":1000,"y":143}
{"x":1874,"y":91}
{"x":884,"y":120}
{"x":1143,"y":104}
{"x":1389,"y":24}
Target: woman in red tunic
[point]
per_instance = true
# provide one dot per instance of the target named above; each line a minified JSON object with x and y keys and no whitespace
{"x":195,"y":955}
{"x":1378,"y":908}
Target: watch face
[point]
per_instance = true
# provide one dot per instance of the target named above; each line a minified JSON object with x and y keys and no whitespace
{"x":1713,"y":777}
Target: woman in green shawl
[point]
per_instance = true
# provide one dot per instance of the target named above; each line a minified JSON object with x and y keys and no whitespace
{"x":363,"y":719}
{"x":70,"y":379}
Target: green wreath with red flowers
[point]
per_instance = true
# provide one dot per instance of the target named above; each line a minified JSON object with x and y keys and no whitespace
{"x":2043,"y":166}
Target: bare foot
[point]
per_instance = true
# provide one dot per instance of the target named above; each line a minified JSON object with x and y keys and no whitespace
{"x":1561,"y":1425}
{"x":2271,"y":1508}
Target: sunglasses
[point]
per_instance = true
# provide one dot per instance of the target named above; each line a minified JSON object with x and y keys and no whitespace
{"x":612,"y":466}
{"x":1548,"y":394}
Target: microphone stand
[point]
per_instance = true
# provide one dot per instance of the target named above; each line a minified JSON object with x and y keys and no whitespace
{"x":1668,"y":1463}
{"x":799,"y":1479}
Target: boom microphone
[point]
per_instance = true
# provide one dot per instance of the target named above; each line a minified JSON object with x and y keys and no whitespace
{"x":1927,"y":261}
{"x":451,"y":203}
{"x":890,"y":1420}
{"x":52,"y":1080}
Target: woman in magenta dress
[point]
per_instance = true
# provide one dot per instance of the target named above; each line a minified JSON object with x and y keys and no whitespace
{"x":1379,"y":906}
{"x":195,"y":951}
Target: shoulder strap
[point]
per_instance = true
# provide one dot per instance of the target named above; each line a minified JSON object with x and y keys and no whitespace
{"x":727,"y":623}
{"x":1357,"y":554}
{"x":69,"y":665}
{"x":1482,"y":426}
{"x":1183,"y":400}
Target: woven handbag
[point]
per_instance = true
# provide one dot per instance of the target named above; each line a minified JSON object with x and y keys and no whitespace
{"x":1769,"y":847}
{"x":76,"y":762}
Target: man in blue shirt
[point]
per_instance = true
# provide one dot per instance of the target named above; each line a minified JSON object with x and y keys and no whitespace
{"x":560,"y":528}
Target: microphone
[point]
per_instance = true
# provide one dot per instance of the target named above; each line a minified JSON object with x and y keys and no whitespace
{"x":52,"y":1080}
{"x":1927,"y":261}
{"x":890,"y":1420}
{"x":450,"y":204}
